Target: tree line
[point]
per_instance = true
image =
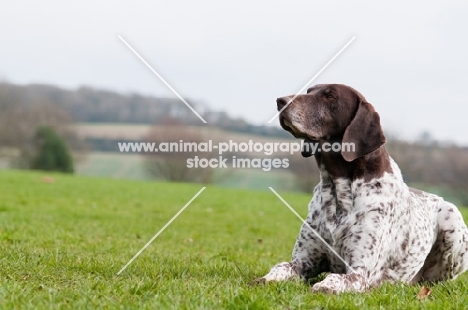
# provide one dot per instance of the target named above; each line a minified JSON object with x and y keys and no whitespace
{"x":88,"y":105}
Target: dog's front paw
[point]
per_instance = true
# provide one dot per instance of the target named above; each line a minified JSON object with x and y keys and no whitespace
{"x":339,"y":283}
{"x":323,"y":288}
{"x":332,"y":284}
{"x":280,"y":272}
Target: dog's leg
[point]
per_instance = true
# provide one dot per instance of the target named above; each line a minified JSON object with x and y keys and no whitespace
{"x":360,"y":247}
{"x":307,"y":260}
{"x":449,"y":255}
{"x":308,"y":257}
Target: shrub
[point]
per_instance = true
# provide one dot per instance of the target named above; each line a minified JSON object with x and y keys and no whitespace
{"x":52,"y":153}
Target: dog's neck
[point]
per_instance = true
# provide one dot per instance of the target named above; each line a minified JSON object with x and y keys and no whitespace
{"x":367,"y":167}
{"x":337,"y":176}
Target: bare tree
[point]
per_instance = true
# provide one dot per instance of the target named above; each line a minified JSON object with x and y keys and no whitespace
{"x":172,"y":165}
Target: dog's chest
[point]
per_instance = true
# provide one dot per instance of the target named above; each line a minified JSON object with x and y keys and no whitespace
{"x":366,"y":215}
{"x":340,"y":203}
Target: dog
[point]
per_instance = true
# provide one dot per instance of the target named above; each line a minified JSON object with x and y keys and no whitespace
{"x":364,"y":226}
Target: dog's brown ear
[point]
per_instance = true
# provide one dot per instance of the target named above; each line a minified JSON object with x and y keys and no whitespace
{"x":364,"y":132}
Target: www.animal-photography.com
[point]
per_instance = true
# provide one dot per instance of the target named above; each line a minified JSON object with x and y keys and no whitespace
{"x":247,"y":155}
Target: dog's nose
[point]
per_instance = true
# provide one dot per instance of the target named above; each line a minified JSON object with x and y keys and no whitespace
{"x":280,"y":103}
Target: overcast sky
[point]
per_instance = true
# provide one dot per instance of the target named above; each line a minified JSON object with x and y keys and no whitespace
{"x":408,"y":59}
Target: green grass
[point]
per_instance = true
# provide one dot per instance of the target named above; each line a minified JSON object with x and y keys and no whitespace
{"x":63,"y":243}
{"x":113,"y":165}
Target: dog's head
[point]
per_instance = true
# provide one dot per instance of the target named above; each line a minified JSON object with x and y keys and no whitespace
{"x":333,"y":111}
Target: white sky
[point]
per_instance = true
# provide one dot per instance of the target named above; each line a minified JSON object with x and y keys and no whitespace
{"x":409,"y":58}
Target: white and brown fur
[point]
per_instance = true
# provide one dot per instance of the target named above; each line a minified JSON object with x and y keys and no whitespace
{"x":384,"y":230}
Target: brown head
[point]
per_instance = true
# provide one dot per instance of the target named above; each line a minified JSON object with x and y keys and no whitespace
{"x":334,"y":112}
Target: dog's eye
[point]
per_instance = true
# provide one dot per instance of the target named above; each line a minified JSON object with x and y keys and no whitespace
{"x":329,"y":96}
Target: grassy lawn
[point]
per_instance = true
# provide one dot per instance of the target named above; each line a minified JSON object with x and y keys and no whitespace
{"x":63,"y":240}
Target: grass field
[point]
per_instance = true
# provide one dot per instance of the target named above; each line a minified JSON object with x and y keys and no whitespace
{"x":63,"y":239}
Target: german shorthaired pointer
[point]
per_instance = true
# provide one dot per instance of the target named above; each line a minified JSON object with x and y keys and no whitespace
{"x":382,"y":229}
